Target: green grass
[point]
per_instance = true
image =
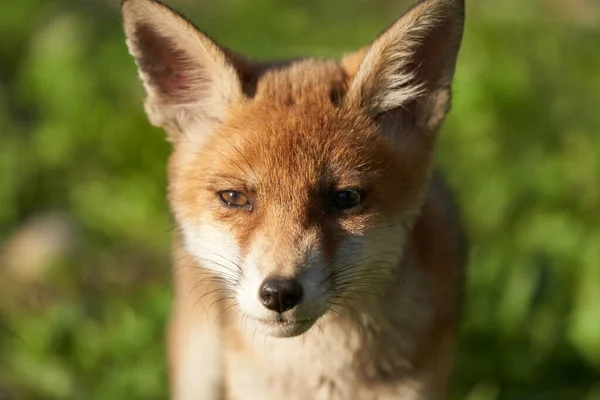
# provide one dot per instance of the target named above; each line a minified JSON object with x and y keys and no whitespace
{"x":521,"y":148}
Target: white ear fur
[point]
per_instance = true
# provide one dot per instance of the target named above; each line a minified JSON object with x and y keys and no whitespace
{"x":412,"y":61}
{"x":189,"y":79}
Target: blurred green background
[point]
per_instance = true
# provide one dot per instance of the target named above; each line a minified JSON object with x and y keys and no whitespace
{"x":84,"y":226}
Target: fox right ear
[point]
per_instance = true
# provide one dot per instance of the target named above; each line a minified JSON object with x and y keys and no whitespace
{"x":406,"y":73}
{"x":190,"y":81}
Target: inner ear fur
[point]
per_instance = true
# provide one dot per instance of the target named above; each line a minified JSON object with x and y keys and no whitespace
{"x":404,"y":77}
{"x":190,"y":80}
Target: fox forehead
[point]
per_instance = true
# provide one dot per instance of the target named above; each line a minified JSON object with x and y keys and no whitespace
{"x":303,"y":81}
{"x":294,"y":133}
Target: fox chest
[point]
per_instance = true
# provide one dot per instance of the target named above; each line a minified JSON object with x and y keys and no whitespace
{"x":247,"y":380}
{"x":243,"y":384}
{"x":268,"y":368}
{"x":300,"y":373}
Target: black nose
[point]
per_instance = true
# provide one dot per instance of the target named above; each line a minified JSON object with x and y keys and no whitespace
{"x":280,"y":294}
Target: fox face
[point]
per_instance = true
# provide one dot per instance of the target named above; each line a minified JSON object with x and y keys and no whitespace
{"x":294,"y":210}
{"x":296,"y":183}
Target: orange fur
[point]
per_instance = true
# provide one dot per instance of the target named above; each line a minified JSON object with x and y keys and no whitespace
{"x":382,"y":280}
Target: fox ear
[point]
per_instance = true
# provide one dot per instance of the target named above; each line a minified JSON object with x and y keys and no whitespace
{"x":406,"y":73}
{"x":189,"y":79}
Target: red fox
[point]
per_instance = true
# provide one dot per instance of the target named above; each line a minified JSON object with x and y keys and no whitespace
{"x":318,"y":253}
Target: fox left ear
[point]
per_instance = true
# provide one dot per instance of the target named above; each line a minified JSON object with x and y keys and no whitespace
{"x":190,"y":81}
{"x":406,"y":73}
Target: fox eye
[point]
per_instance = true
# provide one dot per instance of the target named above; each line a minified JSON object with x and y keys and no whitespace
{"x":232,"y":198}
{"x":346,"y":199}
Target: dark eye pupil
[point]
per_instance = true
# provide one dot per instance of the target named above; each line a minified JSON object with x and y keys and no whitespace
{"x":346,"y":199}
{"x":232,"y":196}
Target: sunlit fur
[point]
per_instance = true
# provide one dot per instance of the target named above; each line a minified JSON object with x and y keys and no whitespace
{"x":381,"y":281}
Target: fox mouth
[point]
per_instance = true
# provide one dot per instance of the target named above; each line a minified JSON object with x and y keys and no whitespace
{"x":282,"y":321}
{"x":283,"y":328}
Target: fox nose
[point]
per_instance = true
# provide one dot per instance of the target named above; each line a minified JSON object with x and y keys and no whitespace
{"x":279,"y":294}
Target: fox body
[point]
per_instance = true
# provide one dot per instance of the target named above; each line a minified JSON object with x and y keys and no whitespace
{"x":318,"y":253}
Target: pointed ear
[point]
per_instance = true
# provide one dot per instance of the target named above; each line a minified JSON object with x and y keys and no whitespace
{"x":406,"y":73}
{"x":189,"y":79}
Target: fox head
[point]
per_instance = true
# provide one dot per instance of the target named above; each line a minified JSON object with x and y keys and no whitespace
{"x":296,"y":183}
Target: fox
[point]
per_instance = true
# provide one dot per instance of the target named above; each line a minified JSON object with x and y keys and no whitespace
{"x":318,"y":251}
